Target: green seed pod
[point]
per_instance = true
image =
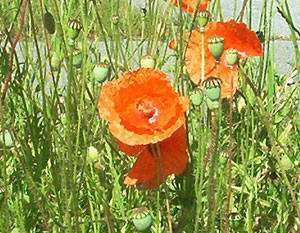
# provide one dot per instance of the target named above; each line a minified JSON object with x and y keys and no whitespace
{"x":77,"y":58}
{"x":115,"y":19}
{"x":55,"y":62}
{"x":223,"y":157}
{"x":8,"y":140}
{"x":101,"y":72}
{"x":216,"y":46}
{"x":142,"y":219}
{"x":143,"y":13}
{"x":235,"y":220}
{"x":232,"y":57}
{"x":74,"y":28}
{"x":197,"y":97}
{"x":212,"y":88}
{"x":203,"y":17}
{"x":148,"y":61}
{"x":92,"y":154}
{"x":212,"y":105}
{"x":49,"y":22}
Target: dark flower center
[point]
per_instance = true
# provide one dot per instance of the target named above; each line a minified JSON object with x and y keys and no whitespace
{"x":147,"y":110}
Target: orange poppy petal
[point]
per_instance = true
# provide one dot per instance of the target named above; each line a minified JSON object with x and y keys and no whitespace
{"x":174,"y":153}
{"x":143,"y":171}
{"x":130,"y":150}
{"x":190,"y":5}
{"x":174,"y":158}
{"x":142,"y":107}
{"x":236,"y":36}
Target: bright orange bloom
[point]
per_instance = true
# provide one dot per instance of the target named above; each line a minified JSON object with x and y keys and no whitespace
{"x":236,"y":36}
{"x":190,"y":5}
{"x":142,"y":108}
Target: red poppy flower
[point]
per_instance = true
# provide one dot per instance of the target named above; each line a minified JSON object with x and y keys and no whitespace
{"x":190,"y":5}
{"x":236,"y":36}
{"x":142,"y":108}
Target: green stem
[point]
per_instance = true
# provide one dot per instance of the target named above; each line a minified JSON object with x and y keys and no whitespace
{"x":202,"y":29}
{"x":229,"y":152}
{"x":274,"y":142}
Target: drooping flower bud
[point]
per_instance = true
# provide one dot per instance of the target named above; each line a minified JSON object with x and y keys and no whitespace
{"x":49,"y":22}
{"x":148,"y":61}
{"x":216,"y":46}
{"x":101,"y":72}
{"x":74,"y":28}
{"x":55,"y":61}
{"x":142,"y":219}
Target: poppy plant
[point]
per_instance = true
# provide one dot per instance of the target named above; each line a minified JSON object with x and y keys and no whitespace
{"x":143,"y":109}
{"x":236,"y":36}
{"x":190,"y":5}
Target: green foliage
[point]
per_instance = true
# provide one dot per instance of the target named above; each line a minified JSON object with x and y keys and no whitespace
{"x":50,"y":183}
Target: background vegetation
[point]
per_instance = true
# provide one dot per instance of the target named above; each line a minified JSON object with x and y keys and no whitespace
{"x":49,"y":120}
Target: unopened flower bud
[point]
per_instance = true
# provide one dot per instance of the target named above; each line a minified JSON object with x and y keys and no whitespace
{"x":49,"y":22}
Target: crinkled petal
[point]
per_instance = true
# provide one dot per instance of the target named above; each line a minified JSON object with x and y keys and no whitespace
{"x":190,"y":5}
{"x":120,"y":100}
{"x":130,"y":150}
{"x":173,"y":156}
{"x":236,"y":36}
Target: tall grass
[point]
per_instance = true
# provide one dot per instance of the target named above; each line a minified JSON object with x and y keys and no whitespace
{"x":48,"y":182}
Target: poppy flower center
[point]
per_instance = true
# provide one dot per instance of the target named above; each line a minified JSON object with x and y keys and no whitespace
{"x":148,"y":111}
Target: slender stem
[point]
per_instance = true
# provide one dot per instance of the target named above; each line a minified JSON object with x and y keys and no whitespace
{"x":202,"y":135}
{"x":229,"y":152}
{"x":274,"y":142}
{"x":202,"y":29}
{"x":13,"y":50}
{"x":161,"y":170}
{"x":211,"y":174}
{"x":218,"y":68}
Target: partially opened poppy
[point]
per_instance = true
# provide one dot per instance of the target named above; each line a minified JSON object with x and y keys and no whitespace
{"x":142,"y":108}
{"x":236,"y":36}
{"x":190,"y":5}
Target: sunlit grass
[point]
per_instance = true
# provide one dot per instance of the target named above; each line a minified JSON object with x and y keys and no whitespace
{"x":49,"y":120}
